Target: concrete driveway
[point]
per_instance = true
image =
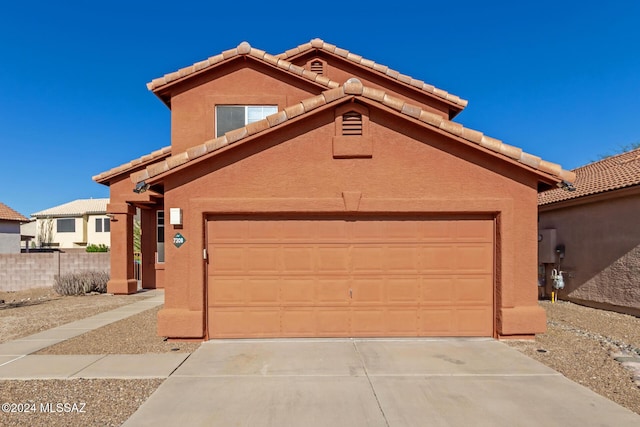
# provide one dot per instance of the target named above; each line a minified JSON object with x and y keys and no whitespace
{"x":371,"y":382}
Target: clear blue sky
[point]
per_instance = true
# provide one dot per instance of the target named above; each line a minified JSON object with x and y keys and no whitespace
{"x":560,"y":79}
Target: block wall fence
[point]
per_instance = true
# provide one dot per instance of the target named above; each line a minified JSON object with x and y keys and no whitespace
{"x":37,"y":270}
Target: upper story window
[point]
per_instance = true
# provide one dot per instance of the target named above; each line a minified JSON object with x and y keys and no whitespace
{"x":103,"y":225}
{"x":230,"y":117}
{"x":66,"y":225}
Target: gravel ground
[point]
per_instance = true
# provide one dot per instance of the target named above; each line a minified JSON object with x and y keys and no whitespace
{"x":580,"y":343}
{"x":25,"y":313}
{"x":99,"y":402}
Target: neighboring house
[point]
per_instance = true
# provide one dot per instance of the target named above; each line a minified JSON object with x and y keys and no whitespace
{"x":28,"y":234}
{"x":10,"y":221}
{"x":318,"y":193}
{"x":74,"y":225}
{"x":594,"y":234}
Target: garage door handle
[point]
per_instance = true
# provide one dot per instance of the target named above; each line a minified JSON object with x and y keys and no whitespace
{"x":351,"y":293}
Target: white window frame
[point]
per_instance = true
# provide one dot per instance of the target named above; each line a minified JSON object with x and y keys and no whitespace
{"x":272,"y":110}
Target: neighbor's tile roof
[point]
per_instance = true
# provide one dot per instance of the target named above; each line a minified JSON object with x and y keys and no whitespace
{"x":243,"y":48}
{"x":612,"y":173}
{"x":76,"y":208}
{"x":8,"y":214}
{"x":353,"y":87}
{"x":147,"y":158}
{"x":383,"y":69}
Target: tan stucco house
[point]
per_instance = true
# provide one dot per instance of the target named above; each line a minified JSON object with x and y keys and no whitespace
{"x":74,"y":225}
{"x":594,"y":235}
{"x":317,"y":193}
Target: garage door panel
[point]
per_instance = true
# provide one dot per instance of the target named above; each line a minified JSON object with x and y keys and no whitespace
{"x":367,"y":259}
{"x":227,"y":259}
{"x":436,"y":322}
{"x":474,"y":231}
{"x":436,"y":231}
{"x":368,"y":322}
{"x":437,"y":290}
{"x":227,"y":231}
{"x":299,"y":322}
{"x":233,"y":323}
{"x":333,"y":322}
{"x":367,"y":291}
{"x":298,"y":291}
{"x":332,"y":259}
{"x":472,"y":258}
{"x":402,"y":290}
{"x":263,"y":259}
{"x":263,"y":231}
{"x":332,"y":291}
{"x":263,"y":291}
{"x":437,"y":259}
{"x":227,"y":291}
{"x":475,"y":321}
{"x":299,"y":259}
{"x":402,"y":259}
{"x":473,"y":290}
{"x":402,"y":321}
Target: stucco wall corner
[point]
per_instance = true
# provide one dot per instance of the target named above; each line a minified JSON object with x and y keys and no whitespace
{"x":180,"y":323}
{"x":522,"y":320}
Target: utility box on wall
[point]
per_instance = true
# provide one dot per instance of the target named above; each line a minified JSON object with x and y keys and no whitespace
{"x":547,"y":246}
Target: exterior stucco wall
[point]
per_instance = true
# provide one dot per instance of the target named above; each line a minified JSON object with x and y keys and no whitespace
{"x":411,"y":170}
{"x":94,"y":237}
{"x":63,"y":239}
{"x":242,"y":83}
{"x":602,"y":249}
{"x":9,"y":237}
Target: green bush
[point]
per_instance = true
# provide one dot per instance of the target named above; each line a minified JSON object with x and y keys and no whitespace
{"x":97,"y":248}
{"x":81,"y":283}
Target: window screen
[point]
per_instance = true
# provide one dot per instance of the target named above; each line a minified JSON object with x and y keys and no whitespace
{"x":230,"y":117}
{"x":66,"y":225}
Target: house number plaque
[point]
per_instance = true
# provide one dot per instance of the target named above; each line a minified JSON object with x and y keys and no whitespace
{"x":178,"y":240}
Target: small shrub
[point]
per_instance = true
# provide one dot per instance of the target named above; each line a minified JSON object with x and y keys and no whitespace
{"x":81,"y":283}
{"x":97,"y":248}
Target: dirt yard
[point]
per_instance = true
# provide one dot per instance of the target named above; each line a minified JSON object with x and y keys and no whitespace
{"x":580,"y":343}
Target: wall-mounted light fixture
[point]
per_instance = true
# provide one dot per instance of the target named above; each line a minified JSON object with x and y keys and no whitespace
{"x":175,"y":216}
{"x":141,"y":187}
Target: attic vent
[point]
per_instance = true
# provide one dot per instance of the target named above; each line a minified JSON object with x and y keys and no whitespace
{"x":352,"y":124}
{"x":317,"y":67}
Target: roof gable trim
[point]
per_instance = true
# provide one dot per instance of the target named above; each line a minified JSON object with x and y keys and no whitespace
{"x":353,"y":88}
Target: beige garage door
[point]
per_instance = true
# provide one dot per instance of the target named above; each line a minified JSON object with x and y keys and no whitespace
{"x":349,"y":277}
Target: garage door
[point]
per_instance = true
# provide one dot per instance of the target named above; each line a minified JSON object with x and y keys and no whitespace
{"x":345,"y":277}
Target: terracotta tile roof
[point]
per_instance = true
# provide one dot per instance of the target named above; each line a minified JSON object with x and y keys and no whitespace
{"x":8,"y":214}
{"x":612,"y":173}
{"x":382,"y":69}
{"x":243,"y":48}
{"x":148,"y":158}
{"x":75,"y":208}
{"x":354,"y":88}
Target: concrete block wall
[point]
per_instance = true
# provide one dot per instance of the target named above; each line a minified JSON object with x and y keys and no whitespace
{"x":37,"y":270}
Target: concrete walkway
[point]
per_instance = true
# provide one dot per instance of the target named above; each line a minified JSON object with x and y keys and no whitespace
{"x":17,"y":362}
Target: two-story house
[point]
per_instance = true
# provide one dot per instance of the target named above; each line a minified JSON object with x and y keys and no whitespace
{"x":74,"y":225}
{"x":317,"y":193}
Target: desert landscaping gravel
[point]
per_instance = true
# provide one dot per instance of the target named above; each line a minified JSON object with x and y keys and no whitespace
{"x":580,"y":343}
